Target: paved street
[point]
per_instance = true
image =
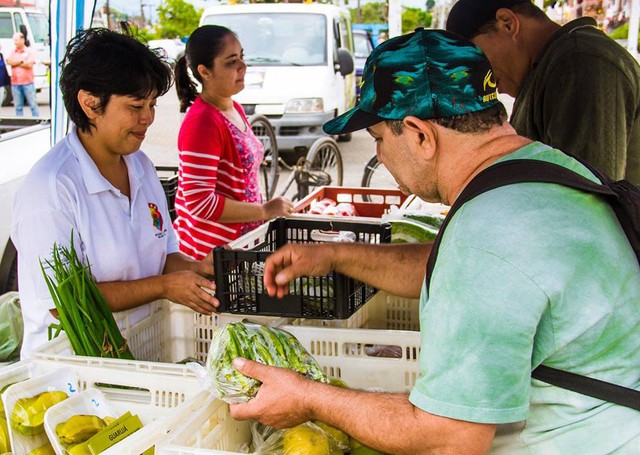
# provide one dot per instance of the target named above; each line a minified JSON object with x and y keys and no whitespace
{"x":160,"y":143}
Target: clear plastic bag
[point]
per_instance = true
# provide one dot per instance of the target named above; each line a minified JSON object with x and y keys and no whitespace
{"x":267,"y":345}
{"x":304,"y":439}
{"x":11,"y":327}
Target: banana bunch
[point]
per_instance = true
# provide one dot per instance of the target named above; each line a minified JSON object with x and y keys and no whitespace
{"x":263,"y":344}
{"x":28,"y":413}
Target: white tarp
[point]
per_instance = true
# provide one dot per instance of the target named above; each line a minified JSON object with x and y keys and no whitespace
{"x":66,"y":18}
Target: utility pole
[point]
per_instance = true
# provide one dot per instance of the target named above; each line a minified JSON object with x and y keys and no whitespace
{"x":142,"y":13}
{"x":634,"y":22}
{"x":108,"y":15}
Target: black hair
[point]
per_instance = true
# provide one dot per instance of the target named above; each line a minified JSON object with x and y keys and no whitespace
{"x":203,"y":46}
{"x":475,"y":122}
{"x":105,"y":63}
{"x":527,"y":9}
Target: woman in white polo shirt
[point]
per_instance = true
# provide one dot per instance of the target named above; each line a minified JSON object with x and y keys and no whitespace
{"x":97,"y":184}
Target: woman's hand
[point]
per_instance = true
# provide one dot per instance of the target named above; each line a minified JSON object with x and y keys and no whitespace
{"x":188,"y":288}
{"x":278,"y":206}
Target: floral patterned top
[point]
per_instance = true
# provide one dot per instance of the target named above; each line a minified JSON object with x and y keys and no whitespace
{"x":251,"y":154}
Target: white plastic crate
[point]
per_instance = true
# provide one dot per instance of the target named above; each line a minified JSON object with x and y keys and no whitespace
{"x":152,"y":392}
{"x":171,"y":333}
{"x":207,"y":427}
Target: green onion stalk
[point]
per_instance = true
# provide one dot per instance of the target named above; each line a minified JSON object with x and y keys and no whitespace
{"x":83,"y":311}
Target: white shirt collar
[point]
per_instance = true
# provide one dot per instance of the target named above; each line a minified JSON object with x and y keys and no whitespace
{"x":94,"y":181}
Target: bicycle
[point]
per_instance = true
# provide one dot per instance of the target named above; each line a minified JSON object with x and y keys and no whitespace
{"x":269,"y":171}
{"x":376,"y":175}
{"x":321,"y":167}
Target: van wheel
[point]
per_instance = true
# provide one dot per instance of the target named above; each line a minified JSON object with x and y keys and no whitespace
{"x":345,"y":137}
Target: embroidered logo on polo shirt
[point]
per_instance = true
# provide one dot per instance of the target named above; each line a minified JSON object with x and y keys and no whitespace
{"x":156,"y":216}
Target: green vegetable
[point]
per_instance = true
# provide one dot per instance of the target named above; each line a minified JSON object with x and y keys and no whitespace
{"x":267,"y":345}
{"x":411,"y":232}
{"x":83,"y":311}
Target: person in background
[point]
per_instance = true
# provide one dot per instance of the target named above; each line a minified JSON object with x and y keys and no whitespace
{"x":5,"y":79}
{"x":515,"y":284}
{"x":97,"y":185}
{"x":575,"y":88}
{"x":218,"y":197}
{"x":22,"y":59}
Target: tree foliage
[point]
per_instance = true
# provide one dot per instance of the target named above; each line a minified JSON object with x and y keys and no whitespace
{"x":413,"y":18}
{"x":177,"y":18}
{"x":372,"y":13}
{"x":376,"y":13}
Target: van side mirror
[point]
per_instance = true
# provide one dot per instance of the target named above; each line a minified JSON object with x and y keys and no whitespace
{"x":25,"y":33}
{"x":345,"y":62}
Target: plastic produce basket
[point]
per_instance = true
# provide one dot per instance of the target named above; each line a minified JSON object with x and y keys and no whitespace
{"x":370,"y":203}
{"x":147,"y":391}
{"x":169,"y":178}
{"x":239,"y":272}
{"x":207,"y":427}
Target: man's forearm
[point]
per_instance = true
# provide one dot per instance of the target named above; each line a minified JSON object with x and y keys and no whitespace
{"x":398,"y":269}
{"x":391,"y":423}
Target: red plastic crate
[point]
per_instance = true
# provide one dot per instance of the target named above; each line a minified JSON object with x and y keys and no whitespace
{"x":368,"y":202}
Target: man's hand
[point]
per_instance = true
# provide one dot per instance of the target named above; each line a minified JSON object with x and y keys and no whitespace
{"x":187,"y":288}
{"x":294,"y":260}
{"x":280,"y":401}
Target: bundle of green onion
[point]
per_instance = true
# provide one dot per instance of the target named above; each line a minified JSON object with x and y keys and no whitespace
{"x":82,"y":309}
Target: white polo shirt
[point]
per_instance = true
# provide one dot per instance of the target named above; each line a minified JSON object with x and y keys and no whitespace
{"x":123,"y":239}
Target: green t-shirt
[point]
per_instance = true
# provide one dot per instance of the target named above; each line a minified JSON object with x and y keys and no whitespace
{"x":528,"y":274}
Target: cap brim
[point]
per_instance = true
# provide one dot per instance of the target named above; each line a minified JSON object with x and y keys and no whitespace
{"x":352,"y":120}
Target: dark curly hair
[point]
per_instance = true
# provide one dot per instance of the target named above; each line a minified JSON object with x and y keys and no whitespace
{"x":105,"y":63}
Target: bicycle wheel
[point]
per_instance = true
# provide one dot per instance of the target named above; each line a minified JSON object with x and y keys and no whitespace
{"x":269,"y":171}
{"x":376,"y":175}
{"x":324,"y":156}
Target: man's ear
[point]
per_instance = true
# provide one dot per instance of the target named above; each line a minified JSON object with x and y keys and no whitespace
{"x":507,"y":22}
{"x":421,"y":134}
{"x":89,"y":104}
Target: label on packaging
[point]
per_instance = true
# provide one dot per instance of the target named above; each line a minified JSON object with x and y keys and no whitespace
{"x":122,"y":427}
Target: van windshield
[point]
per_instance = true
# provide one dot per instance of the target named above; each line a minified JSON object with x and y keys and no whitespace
{"x":39,"y":27}
{"x":278,"y":39}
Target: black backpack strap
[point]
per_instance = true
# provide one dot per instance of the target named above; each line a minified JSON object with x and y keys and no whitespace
{"x":521,"y":171}
{"x":602,"y":390}
{"x":508,"y":173}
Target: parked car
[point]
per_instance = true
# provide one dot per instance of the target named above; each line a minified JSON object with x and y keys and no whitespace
{"x":172,"y":49}
{"x":300,"y":65}
{"x":363,"y":45}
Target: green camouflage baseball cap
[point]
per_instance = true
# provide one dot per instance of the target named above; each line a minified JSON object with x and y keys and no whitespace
{"x":427,"y":74}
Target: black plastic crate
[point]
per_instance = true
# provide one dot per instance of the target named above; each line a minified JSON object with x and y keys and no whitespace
{"x":169,"y":178}
{"x":239,"y":272}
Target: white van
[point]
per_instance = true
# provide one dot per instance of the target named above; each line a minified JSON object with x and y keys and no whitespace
{"x":35,"y":26}
{"x":300,"y":65}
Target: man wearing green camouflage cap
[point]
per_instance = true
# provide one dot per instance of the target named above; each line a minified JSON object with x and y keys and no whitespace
{"x":526,"y":274}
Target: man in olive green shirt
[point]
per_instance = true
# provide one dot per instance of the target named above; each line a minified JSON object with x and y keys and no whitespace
{"x":575,"y":88}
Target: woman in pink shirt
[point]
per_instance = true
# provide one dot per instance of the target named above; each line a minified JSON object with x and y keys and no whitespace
{"x":218,"y":196}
